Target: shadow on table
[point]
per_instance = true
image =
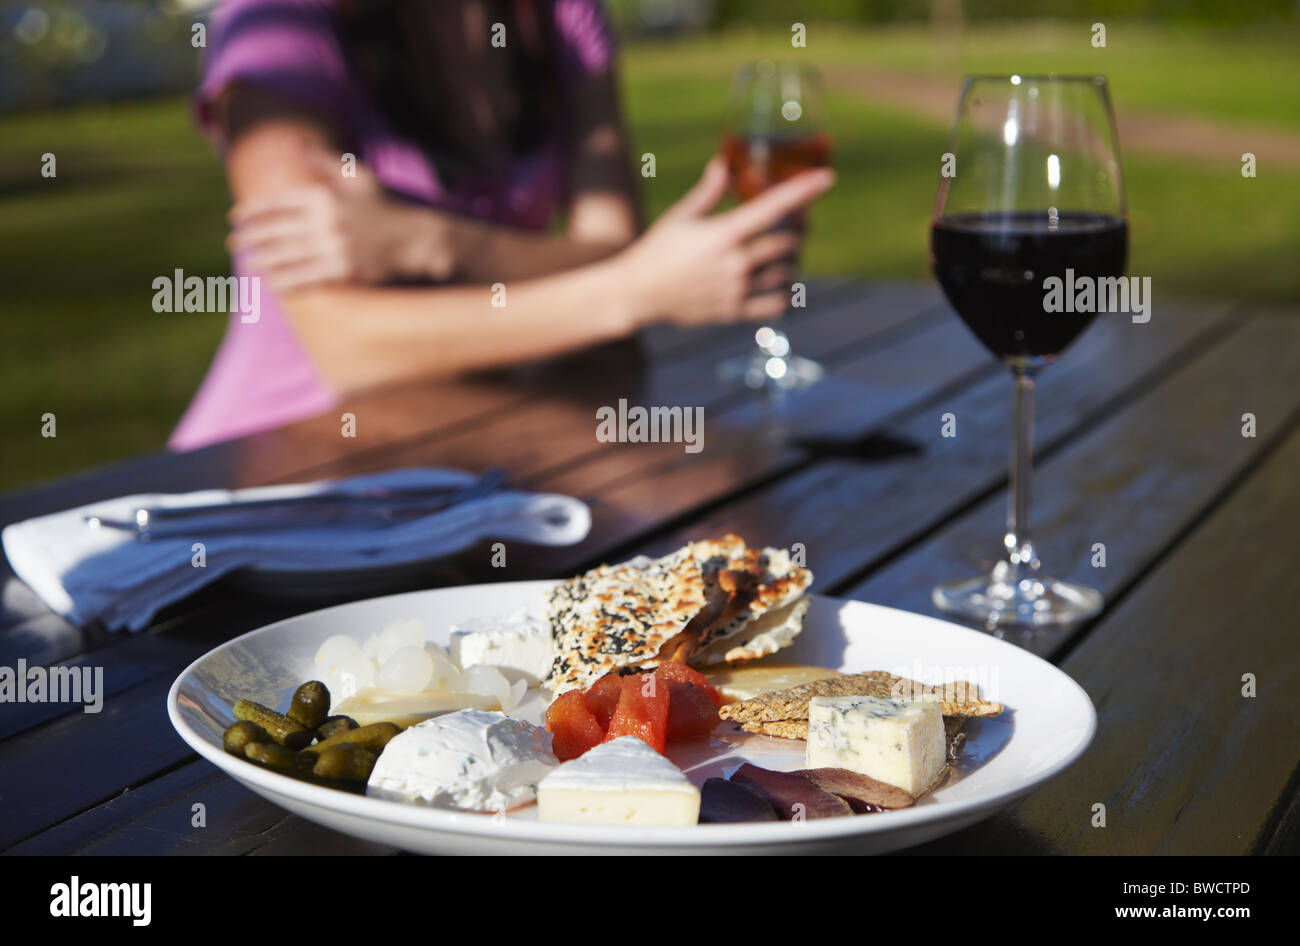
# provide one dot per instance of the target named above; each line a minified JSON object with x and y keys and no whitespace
{"x":874,"y":446}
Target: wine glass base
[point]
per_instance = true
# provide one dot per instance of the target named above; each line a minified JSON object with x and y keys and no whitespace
{"x":761,"y":371}
{"x":1017,"y":596}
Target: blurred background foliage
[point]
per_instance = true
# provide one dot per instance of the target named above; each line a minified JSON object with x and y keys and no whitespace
{"x":102,"y":85}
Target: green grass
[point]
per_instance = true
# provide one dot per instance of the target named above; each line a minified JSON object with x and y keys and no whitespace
{"x":139,"y":193}
{"x":1238,"y":75}
{"x":1196,"y":228}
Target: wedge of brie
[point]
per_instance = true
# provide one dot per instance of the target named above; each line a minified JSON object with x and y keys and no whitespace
{"x":619,"y":782}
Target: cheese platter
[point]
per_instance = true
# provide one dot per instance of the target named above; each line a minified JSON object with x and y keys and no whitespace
{"x":702,"y":702}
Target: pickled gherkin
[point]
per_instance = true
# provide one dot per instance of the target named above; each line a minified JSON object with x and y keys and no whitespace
{"x":287,"y":732}
{"x":310,"y":704}
{"x":374,"y":737}
{"x":347,"y":761}
{"x":344,"y":753}
{"x":334,"y":725}
{"x":242,"y":733}
{"x":278,"y":757}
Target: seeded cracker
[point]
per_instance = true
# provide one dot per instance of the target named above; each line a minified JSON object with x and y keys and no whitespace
{"x":713,"y":557}
{"x":620,"y":616}
{"x":785,"y":728}
{"x":764,"y":580}
{"x":957,"y":699}
{"x":762,"y":636}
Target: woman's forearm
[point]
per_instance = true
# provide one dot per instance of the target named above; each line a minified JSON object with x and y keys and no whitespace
{"x":361,"y":337}
{"x":487,"y":253}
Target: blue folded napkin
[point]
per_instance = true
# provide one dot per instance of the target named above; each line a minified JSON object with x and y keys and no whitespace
{"x":104,"y":574}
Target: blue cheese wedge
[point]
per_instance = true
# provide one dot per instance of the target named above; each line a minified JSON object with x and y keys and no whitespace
{"x":471,"y":760}
{"x":896,"y":741}
{"x":619,"y":782}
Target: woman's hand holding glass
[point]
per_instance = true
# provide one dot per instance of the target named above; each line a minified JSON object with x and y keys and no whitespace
{"x":694,"y":267}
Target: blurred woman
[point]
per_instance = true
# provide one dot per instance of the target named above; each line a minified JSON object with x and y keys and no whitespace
{"x":393,"y":160}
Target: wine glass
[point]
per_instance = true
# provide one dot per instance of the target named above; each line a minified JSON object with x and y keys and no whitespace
{"x":774,"y":128}
{"x":1035,"y":192}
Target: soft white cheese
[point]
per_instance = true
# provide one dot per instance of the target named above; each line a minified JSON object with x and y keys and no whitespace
{"x":471,"y":760}
{"x":619,"y":782}
{"x":896,"y":741}
{"x":521,"y":646}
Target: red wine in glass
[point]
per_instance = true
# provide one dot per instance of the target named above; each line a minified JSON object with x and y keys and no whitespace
{"x":992,"y":266}
{"x":1032,"y":193}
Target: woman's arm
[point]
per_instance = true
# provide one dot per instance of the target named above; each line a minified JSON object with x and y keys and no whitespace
{"x":689,"y":268}
{"x":361,"y":337}
{"x":327,"y":226}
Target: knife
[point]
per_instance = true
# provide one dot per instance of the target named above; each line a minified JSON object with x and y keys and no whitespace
{"x":375,"y":507}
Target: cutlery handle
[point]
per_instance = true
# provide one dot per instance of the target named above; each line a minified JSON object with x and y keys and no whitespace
{"x":317,"y":510}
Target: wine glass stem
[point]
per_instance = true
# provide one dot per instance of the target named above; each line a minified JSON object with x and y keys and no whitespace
{"x":1020,"y":549}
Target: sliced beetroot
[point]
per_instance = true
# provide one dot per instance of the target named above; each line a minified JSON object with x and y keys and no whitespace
{"x":723,"y":802}
{"x":786,"y":790}
{"x":862,"y":792}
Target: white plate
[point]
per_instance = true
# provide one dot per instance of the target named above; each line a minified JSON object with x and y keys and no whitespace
{"x":1049,"y":721}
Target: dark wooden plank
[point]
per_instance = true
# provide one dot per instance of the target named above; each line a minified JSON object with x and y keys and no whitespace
{"x":557,"y":431}
{"x":126,"y":660}
{"x":260,"y":457}
{"x":159,"y":817}
{"x":132,"y":664}
{"x":872,"y":496}
{"x":1132,"y":483}
{"x":661,"y":342}
{"x":748,"y":444}
{"x":81,"y":759}
{"x":554,"y":394}
{"x":37,"y":633}
{"x":1183,"y":762}
{"x":1282,"y":834}
{"x":58,"y":760}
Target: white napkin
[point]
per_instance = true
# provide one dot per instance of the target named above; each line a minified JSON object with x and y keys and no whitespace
{"x":105,"y":574}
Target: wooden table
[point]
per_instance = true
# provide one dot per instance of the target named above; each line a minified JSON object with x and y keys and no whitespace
{"x":1140,"y":448}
